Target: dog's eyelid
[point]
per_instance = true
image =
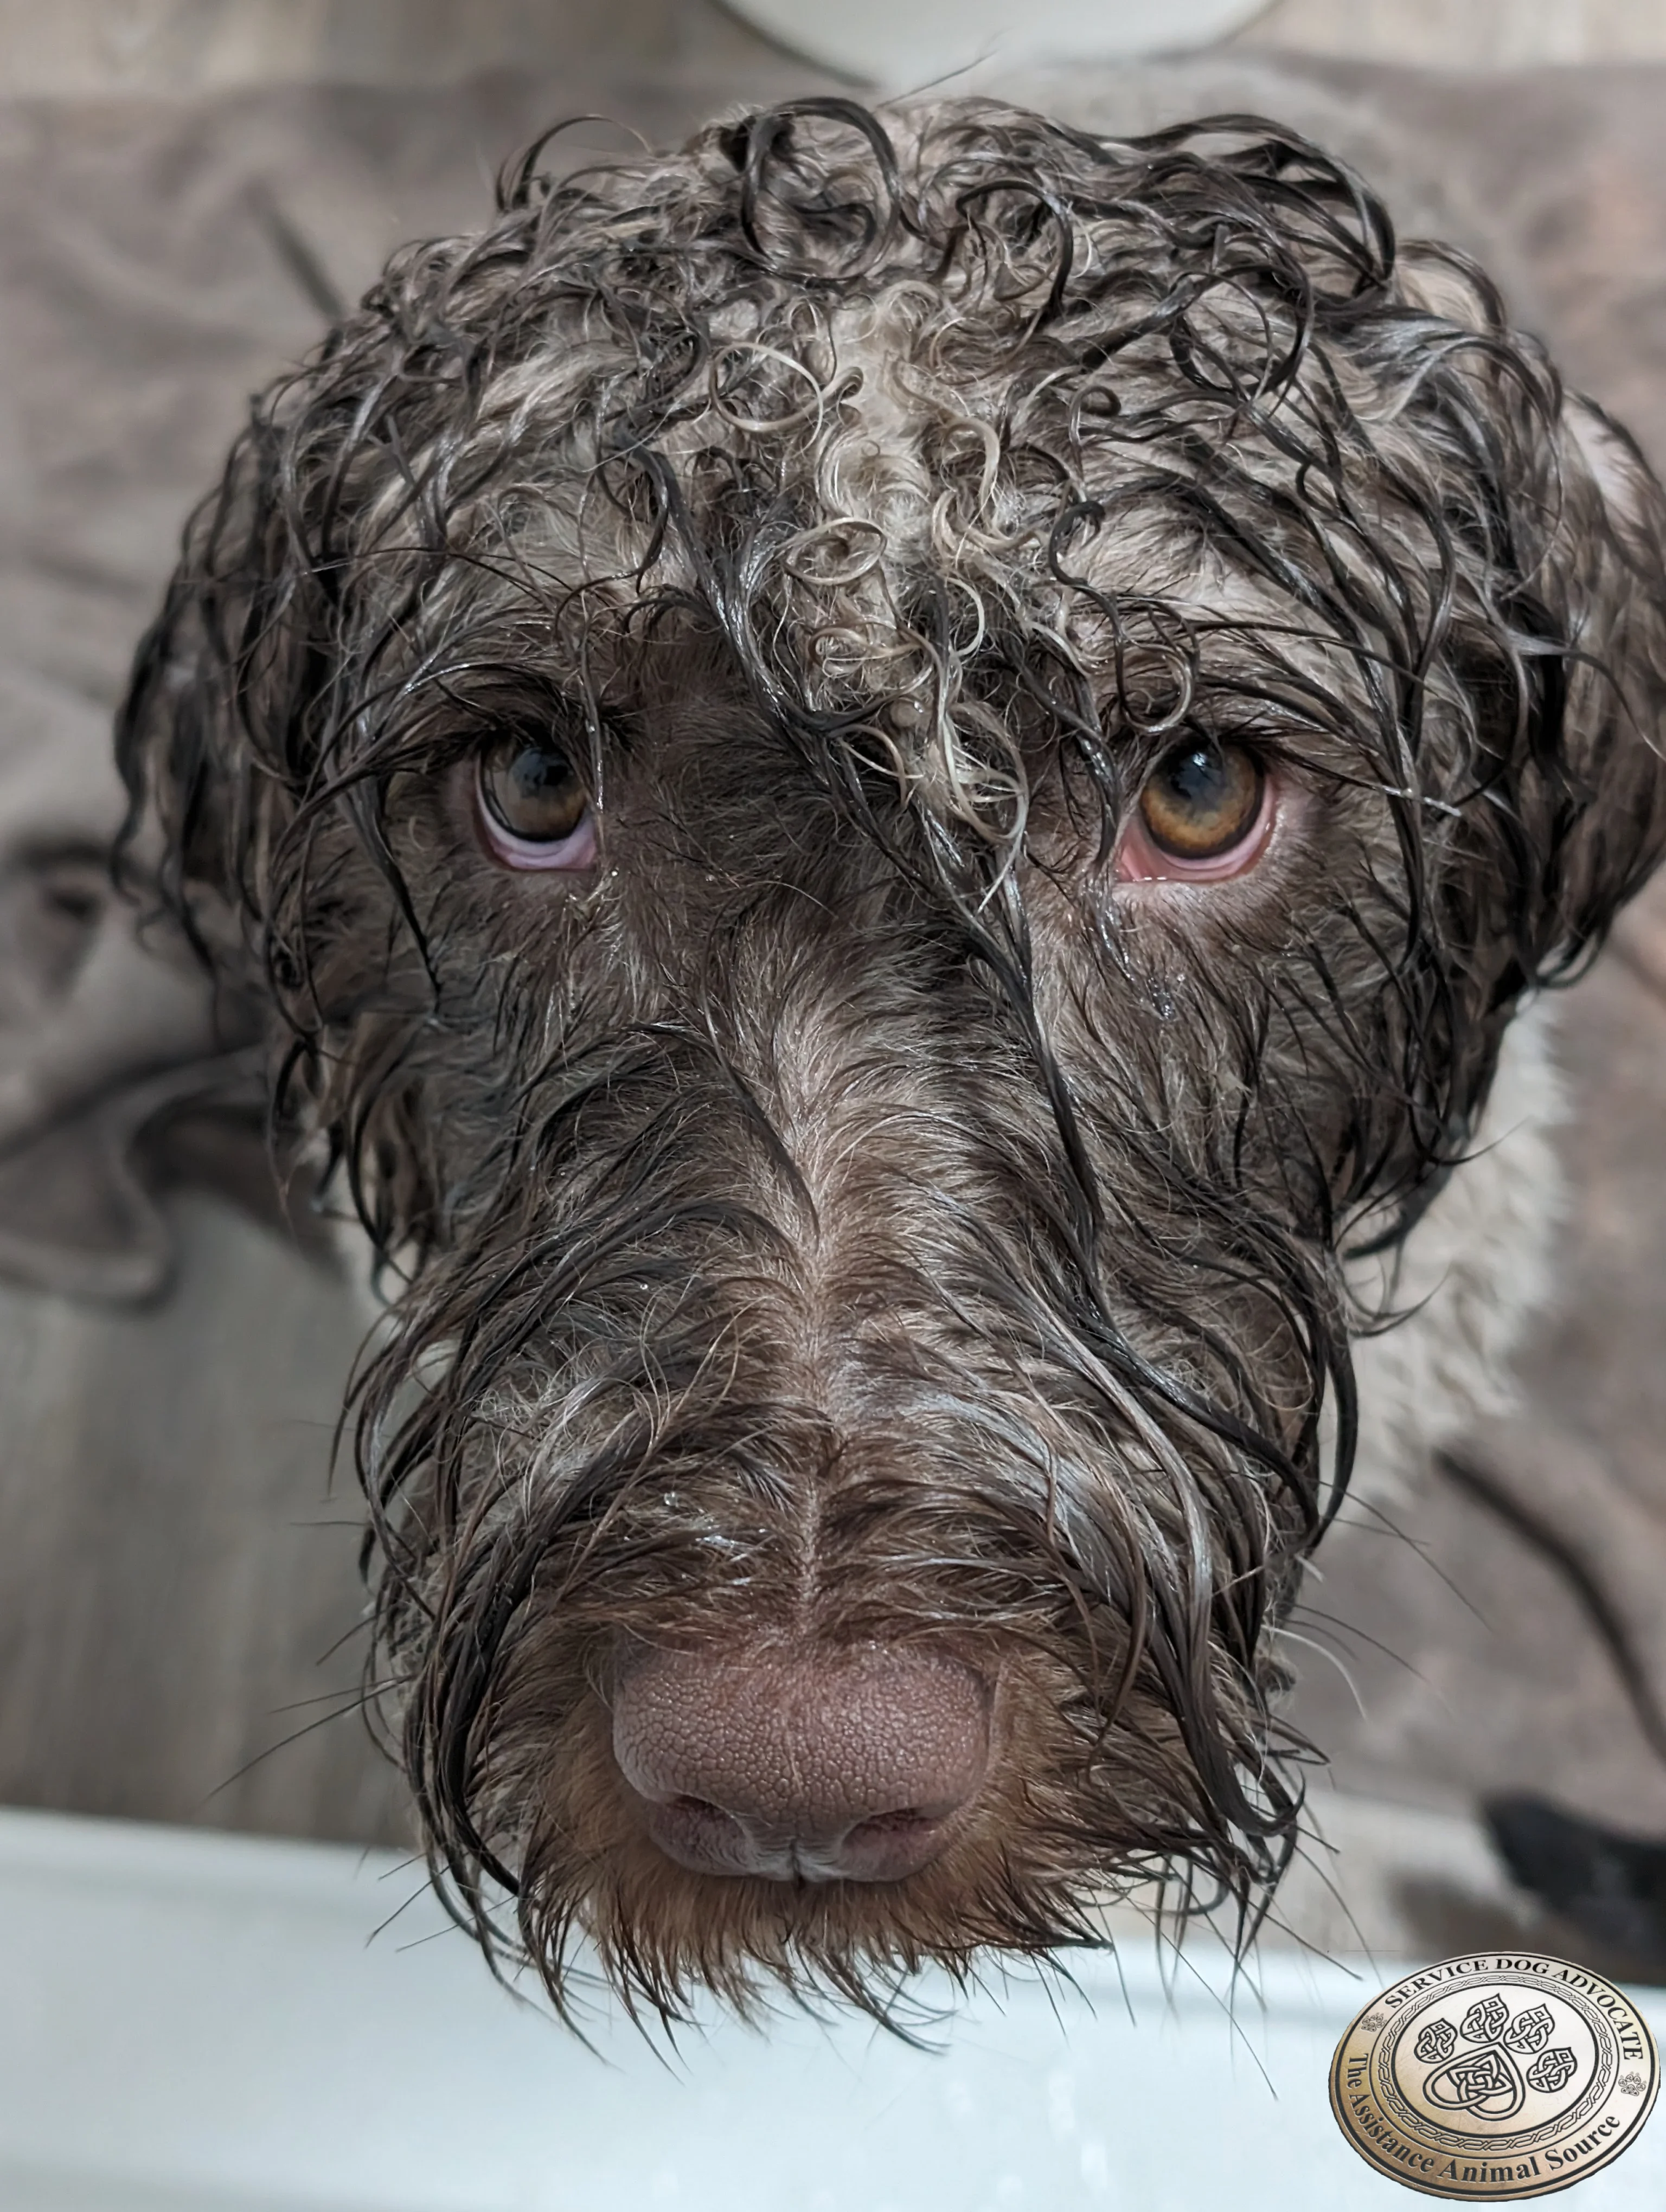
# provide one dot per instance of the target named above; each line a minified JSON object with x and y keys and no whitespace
{"x":503,"y":694}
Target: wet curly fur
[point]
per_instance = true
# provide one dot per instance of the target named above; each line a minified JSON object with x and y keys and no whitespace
{"x":852,"y":1212}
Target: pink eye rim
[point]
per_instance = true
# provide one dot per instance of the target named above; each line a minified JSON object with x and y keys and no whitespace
{"x":575,"y":854}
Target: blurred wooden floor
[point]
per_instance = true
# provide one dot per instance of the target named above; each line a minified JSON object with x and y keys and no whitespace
{"x":177,"y":1587}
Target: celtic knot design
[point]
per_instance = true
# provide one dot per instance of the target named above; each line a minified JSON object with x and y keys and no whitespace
{"x":1481,"y":2081}
{"x":1484,"y":2079}
{"x":1486,"y":2020}
{"x":1633,"y":2085}
{"x":1553,"y":2072}
{"x":1531,"y":2029}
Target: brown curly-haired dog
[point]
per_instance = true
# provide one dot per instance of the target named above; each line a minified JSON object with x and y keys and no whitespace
{"x":891,"y":784}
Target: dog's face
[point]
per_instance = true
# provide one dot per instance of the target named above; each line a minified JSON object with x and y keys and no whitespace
{"x":887,"y":784}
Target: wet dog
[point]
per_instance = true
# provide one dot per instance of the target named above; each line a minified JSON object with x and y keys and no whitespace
{"x":888,"y":786}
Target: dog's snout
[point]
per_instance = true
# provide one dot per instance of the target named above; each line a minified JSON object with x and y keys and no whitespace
{"x":802,"y":1765}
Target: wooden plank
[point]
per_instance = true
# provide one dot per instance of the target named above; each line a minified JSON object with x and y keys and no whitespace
{"x":179,"y":1591}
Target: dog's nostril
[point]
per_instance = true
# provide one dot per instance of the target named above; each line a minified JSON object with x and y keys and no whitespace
{"x":802,"y":1765}
{"x":892,"y":1824}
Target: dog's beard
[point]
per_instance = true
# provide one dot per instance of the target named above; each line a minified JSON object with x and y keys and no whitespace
{"x":1111,"y":1566}
{"x":1048,"y":1845}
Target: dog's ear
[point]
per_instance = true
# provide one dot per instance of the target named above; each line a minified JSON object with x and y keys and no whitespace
{"x":1599,"y":750}
{"x":218,"y":737}
{"x":248,"y":825}
{"x":1557,"y":637}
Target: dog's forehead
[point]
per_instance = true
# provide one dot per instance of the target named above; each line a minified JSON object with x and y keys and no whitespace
{"x":874,"y":496}
{"x":929,"y":500}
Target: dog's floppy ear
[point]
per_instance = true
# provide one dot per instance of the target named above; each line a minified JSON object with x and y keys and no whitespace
{"x":1557,"y":639}
{"x":198,"y":802}
{"x":1602,"y":705}
{"x":225,"y":738}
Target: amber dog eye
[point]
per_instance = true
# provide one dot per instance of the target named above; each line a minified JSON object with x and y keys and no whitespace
{"x":534,"y":807}
{"x":1202,"y":800}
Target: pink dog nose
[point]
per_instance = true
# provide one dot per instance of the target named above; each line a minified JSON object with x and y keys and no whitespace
{"x":840,"y":1765}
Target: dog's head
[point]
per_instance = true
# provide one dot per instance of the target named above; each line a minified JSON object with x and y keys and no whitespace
{"x":886,"y":780}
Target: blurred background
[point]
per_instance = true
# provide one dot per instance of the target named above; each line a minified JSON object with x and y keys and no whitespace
{"x":184,"y":45}
{"x":187,"y":188}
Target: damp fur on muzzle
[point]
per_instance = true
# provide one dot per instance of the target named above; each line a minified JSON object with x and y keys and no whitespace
{"x":851,"y":1210}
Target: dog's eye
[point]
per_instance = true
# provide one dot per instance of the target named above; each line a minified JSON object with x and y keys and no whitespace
{"x":1203,"y":814}
{"x":534,"y":808}
{"x":532,"y":791}
{"x":1201,"y":800}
